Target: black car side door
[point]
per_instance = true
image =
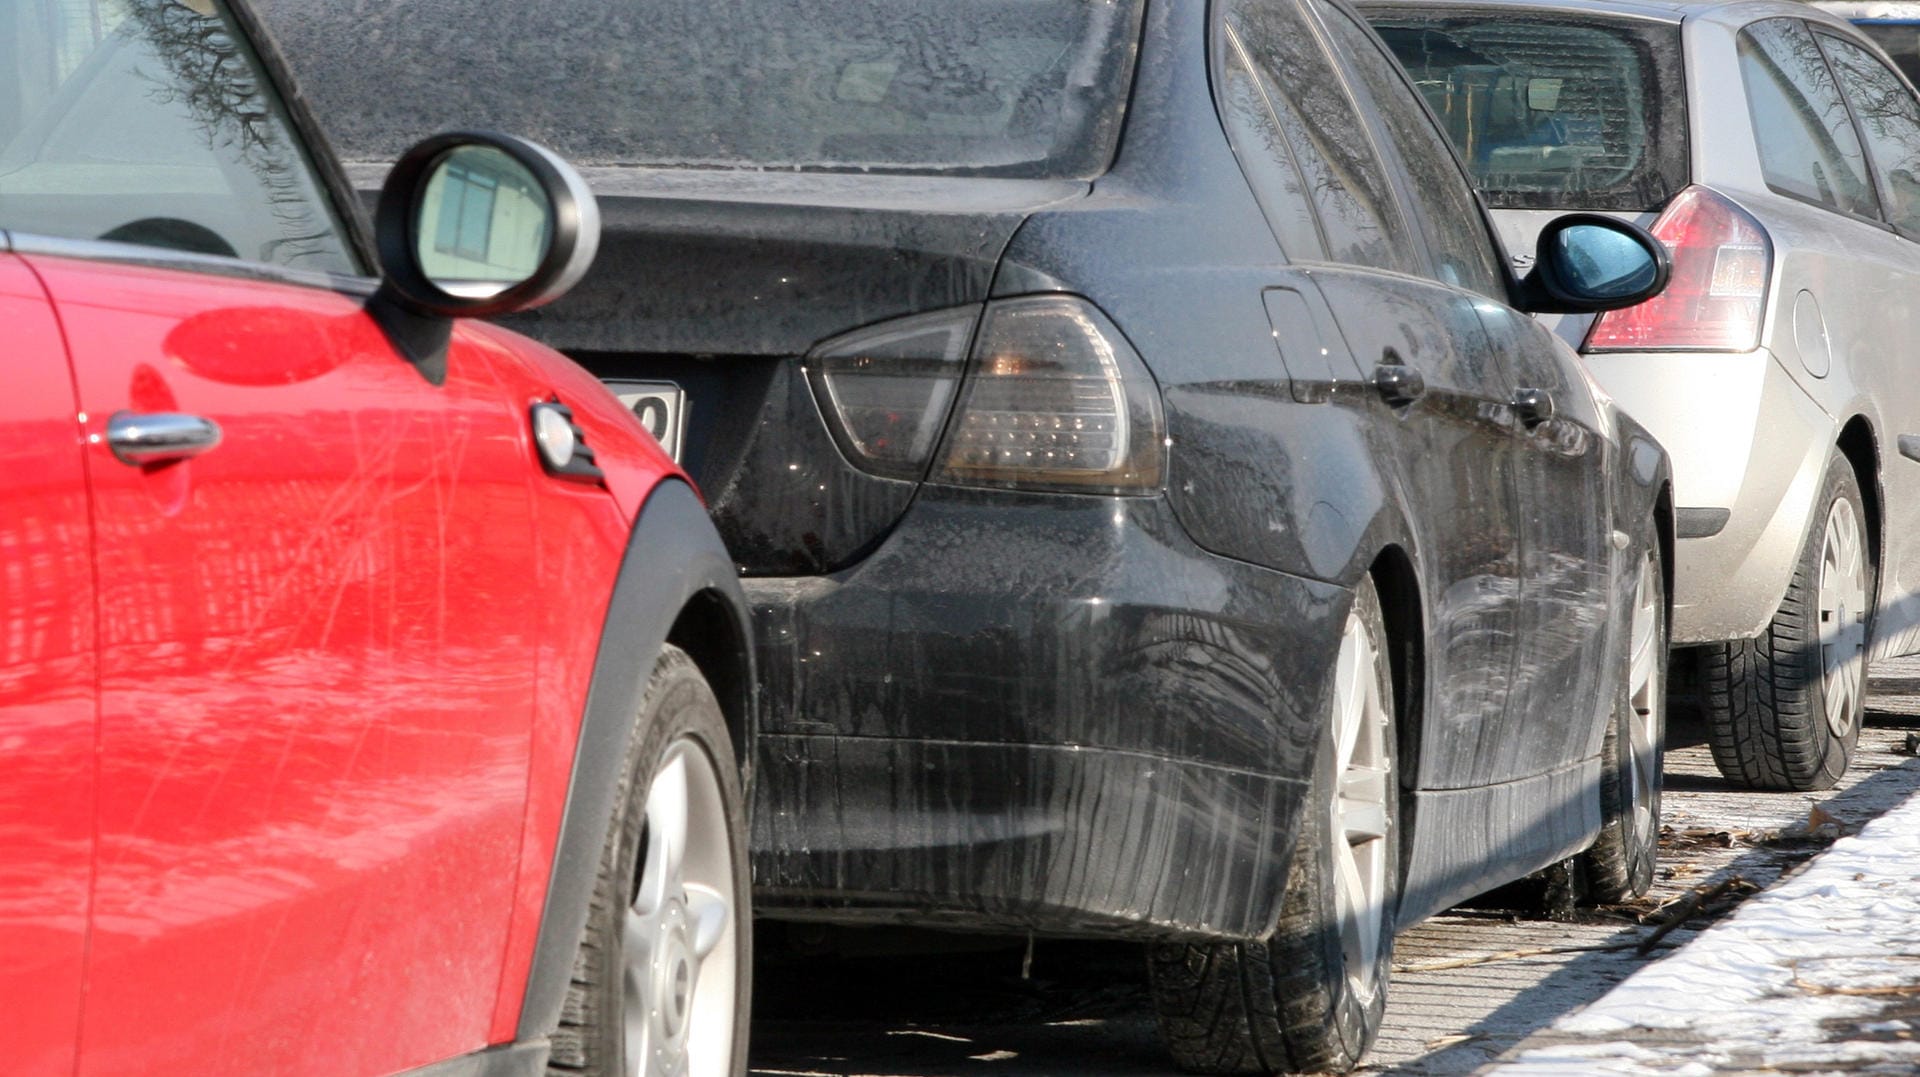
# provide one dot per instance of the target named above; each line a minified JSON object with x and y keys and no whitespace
{"x":1559,"y":692}
{"x":1414,"y":353}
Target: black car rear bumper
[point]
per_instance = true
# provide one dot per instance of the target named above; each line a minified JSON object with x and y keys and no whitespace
{"x":1037,"y":712}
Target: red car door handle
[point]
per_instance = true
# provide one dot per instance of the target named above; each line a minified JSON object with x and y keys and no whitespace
{"x":159,"y":437}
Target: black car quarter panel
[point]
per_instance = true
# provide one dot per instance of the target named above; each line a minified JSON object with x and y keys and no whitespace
{"x":1045,"y":712}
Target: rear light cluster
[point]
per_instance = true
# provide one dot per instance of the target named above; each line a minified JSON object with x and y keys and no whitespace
{"x":1717,"y":295}
{"x":1052,"y":398}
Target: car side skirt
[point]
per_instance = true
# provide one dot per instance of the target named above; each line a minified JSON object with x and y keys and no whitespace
{"x":513,"y":1060}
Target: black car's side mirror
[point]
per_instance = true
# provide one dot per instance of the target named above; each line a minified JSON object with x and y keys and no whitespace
{"x":475,"y":224}
{"x":1585,"y":263}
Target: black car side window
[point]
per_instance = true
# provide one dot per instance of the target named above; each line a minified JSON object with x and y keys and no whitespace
{"x":1253,"y":130}
{"x":1457,"y":238}
{"x":152,"y":123}
{"x":1890,"y":119}
{"x":1323,"y":128}
{"x":1808,"y":147}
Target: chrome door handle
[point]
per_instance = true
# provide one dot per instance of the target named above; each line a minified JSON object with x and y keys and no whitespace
{"x":1532,"y":406}
{"x":159,"y":437}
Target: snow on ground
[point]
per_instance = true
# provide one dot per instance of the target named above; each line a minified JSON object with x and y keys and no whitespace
{"x":1818,"y":974}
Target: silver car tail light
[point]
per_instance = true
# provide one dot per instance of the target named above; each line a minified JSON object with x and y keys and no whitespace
{"x":1717,"y":296}
{"x":1055,"y":399}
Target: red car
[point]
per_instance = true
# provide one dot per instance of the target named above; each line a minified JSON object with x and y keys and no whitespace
{"x":372,"y":686}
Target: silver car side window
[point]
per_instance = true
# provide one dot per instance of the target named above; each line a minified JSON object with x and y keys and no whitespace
{"x":1890,"y":119}
{"x":151,"y":122}
{"x":1808,"y":147}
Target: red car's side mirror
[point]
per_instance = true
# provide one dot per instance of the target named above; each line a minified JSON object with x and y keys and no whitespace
{"x":476,"y":224}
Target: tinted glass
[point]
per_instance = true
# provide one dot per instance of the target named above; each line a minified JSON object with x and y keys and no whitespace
{"x":1890,"y":118}
{"x":1324,"y":130}
{"x":1010,"y":87}
{"x":1550,"y":113}
{"x":1901,"y":39}
{"x":150,"y":122}
{"x":1254,"y":131}
{"x":1600,"y":263}
{"x":1806,"y":140}
{"x":1457,"y":239}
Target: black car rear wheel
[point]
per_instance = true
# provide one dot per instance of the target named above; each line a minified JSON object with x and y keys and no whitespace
{"x":1619,"y":864}
{"x":1309,"y":998}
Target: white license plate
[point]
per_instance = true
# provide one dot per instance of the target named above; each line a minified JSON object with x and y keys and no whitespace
{"x":661,"y":407}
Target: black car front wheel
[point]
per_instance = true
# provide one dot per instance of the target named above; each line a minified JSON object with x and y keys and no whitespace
{"x":662,"y":980}
{"x":1619,"y":864}
{"x":1309,"y":998}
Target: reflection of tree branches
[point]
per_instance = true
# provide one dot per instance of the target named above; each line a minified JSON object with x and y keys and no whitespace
{"x":212,"y":76}
{"x":1336,"y":158}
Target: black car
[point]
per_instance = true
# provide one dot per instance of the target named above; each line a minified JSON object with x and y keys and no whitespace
{"x":1160,"y":515}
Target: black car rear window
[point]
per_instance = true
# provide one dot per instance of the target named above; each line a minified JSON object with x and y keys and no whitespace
{"x":1550,"y":111}
{"x":1030,"y":88}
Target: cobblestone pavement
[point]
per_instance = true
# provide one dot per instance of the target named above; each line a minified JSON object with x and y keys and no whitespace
{"x":1469,"y":984}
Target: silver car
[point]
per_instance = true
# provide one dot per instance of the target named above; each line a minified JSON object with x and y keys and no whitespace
{"x":1777,"y":152}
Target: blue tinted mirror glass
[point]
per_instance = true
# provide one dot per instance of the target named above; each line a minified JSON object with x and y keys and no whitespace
{"x":1598,"y":263}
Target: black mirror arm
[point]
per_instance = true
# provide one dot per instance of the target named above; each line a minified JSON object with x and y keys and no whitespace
{"x":421,"y":337}
{"x":1535,"y":297}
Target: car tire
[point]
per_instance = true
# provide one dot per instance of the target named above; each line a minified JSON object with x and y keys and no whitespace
{"x":1783,"y":709}
{"x":1309,"y":998}
{"x":665,"y":965}
{"x":1619,"y":864}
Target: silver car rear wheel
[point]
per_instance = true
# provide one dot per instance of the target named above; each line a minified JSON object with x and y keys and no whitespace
{"x":1843,"y":616}
{"x":1783,"y":709}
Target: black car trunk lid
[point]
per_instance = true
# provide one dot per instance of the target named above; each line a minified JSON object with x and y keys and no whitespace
{"x":720,"y":283}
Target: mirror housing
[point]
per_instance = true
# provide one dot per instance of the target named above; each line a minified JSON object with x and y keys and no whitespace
{"x":414,"y":308}
{"x":1585,"y":263}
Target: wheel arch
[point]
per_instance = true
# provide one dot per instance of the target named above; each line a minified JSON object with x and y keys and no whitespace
{"x":1398,"y":582}
{"x":1861,"y":446}
{"x":712,"y":629}
{"x":675,"y":575}
{"x":1664,"y":526}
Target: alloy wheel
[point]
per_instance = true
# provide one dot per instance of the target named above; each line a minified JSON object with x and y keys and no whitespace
{"x":1843,"y":615}
{"x":1646,"y":691}
{"x":677,"y":938}
{"x":1359,"y":810}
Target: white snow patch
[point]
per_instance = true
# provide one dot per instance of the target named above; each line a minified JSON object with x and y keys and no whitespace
{"x":1759,"y":986}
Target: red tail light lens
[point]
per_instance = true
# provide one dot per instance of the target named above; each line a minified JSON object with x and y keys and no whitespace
{"x":1717,"y":296}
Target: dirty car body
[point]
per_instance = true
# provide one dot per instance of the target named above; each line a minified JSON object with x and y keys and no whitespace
{"x":1011,"y":687}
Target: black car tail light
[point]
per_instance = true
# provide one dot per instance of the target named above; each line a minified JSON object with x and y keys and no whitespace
{"x":1717,"y":296}
{"x":886,"y":389}
{"x":1055,"y":399}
